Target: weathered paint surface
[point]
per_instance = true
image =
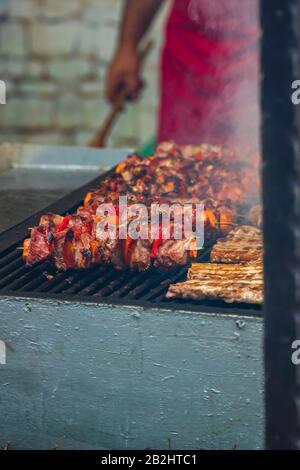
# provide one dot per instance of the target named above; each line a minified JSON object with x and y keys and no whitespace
{"x":92,"y":376}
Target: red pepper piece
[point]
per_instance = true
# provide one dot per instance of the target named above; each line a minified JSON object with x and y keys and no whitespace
{"x":64,"y":223}
{"x":156,"y":244}
{"x":127,"y":248}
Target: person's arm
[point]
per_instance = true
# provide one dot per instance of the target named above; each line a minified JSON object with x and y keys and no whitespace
{"x":124,"y":70}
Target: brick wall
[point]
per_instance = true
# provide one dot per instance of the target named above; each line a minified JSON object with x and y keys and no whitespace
{"x":53,"y":59}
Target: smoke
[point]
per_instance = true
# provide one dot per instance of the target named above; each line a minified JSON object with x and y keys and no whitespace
{"x":234,"y":25}
{"x":212,"y":11}
{"x":216,"y":13}
{"x":211,"y":79}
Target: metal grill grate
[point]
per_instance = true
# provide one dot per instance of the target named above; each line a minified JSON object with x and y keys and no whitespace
{"x":99,"y":284}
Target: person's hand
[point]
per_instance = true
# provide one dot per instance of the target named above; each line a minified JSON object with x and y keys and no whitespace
{"x":124,"y":74}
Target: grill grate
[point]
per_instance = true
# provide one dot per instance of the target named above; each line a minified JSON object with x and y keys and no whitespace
{"x":99,"y":284}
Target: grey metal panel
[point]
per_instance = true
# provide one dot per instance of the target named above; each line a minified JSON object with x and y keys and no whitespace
{"x":59,"y":157}
{"x":93,"y":376}
{"x":34,"y":176}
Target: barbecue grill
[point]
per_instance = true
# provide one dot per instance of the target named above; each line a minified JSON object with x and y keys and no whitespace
{"x":100,"y":284}
{"x":85,"y":312}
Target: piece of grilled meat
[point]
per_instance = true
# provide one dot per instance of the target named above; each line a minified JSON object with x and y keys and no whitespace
{"x":228,"y":282}
{"x":243,"y":244}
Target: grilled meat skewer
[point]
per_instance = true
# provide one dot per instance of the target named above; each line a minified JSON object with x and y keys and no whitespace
{"x":73,"y":242}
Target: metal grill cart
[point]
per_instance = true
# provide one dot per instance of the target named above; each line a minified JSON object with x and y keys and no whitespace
{"x":102,"y":360}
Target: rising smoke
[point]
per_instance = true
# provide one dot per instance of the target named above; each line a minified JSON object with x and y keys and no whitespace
{"x":235,"y":25}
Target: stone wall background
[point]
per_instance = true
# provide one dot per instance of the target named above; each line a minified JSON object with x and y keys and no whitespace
{"x":53,"y":59}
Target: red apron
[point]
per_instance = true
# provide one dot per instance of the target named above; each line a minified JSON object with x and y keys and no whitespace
{"x":209,"y":80}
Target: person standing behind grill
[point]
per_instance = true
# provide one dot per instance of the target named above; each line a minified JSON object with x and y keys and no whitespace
{"x":209,"y":68}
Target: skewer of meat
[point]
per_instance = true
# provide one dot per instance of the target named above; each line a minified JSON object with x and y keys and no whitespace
{"x":74,"y":242}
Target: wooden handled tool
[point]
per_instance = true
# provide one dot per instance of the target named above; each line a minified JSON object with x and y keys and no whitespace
{"x":99,"y":141}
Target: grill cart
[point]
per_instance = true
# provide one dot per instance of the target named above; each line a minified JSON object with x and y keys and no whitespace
{"x":103,"y":360}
